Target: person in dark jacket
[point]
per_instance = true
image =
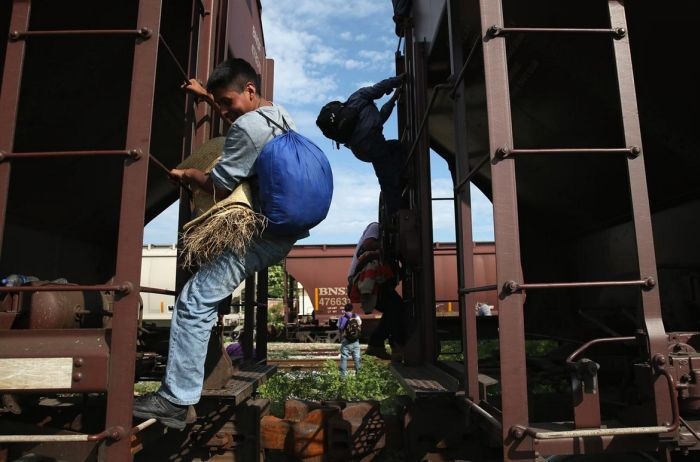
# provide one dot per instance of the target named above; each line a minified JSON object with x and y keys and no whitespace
{"x":402,"y":15}
{"x":368,"y":144}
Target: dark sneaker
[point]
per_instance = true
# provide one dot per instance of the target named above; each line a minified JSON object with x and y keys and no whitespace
{"x":377,"y":352}
{"x":154,"y":406}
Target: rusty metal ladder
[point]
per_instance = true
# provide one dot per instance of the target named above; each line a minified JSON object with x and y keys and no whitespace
{"x":121,"y":364}
{"x":508,"y":258}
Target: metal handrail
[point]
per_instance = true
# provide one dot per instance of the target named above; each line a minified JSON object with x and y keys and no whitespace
{"x":497,"y":31}
{"x":125,"y":288}
{"x":115,"y":433}
{"x":16,"y":35}
{"x":468,"y":290}
{"x":511,"y":287}
{"x":131,"y":153}
{"x":587,"y":345}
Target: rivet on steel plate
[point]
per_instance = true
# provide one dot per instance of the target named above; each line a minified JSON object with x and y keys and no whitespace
{"x":77,"y":376}
{"x":502,"y":153}
{"x":145,"y":32}
{"x":620,"y":32}
{"x":77,"y":362}
{"x":135,"y":154}
{"x":659,"y":360}
{"x":517,"y":432}
{"x":649,"y":282}
{"x":2,"y":156}
{"x":635,"y":151}
{"x":494,"y":31}
{"x":14,"y":36}
{"x":511,"y":287}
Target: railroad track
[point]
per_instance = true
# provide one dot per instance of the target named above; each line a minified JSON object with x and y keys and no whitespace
{"x":305,"y":364}
{"x":305,"y":356}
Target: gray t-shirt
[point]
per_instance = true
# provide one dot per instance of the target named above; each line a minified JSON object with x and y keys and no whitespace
{"x":244,"y":141}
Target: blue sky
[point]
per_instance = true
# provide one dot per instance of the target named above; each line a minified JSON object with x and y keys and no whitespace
{"x":324,"y":51}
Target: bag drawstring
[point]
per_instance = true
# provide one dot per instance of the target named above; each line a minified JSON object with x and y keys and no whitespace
{"x":284,"y":128}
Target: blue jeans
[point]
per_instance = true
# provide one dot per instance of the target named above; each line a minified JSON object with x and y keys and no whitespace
{"x":348,"y":349}
{"x":196,"y":312}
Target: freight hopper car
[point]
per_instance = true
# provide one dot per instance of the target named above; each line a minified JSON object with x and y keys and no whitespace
{"x":92,"y":115}
{"x":322,"y":271}
{"x":576,"y":120}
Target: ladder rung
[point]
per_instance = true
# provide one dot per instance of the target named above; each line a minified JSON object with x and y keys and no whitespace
{"x":133,"y":153}
{"x":124,"y":288}
{"x":632,"y":151}
{"x":16,"y":35}
{"x":512,"y":286}
{"x":498,"y":31}
{"x":468,"y":290}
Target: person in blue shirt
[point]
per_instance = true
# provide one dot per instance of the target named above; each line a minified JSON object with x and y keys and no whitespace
{"x":349,"y":344}
{"x":368,"y":144}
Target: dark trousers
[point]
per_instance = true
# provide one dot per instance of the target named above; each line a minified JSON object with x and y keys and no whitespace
{"x":387,"y":160}
{"x":392,"y":325}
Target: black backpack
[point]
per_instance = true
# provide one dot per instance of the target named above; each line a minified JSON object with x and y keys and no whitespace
{"x":337,"y":121}
{"x":352,"y":329}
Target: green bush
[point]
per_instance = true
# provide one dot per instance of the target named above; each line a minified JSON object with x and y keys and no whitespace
{"x":373,"y":382}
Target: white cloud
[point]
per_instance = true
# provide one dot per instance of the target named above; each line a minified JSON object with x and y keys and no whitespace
{"x":375,"y":56}
{"x":355,"y":200}
{"x":309,"y":60}
{"x":307,"y":13}
{"x":354,"y":64}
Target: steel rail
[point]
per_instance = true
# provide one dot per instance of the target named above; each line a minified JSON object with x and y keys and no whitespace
{"x":469,"y":290}
{"x":483,"y":413}
{"x":15,"y":35}
{"x":498,"y":31}
{"x":632,"y":151}
{"x":155,"y":290}
{"x":125,"y":288}
{"x":132,"y":153}
{"x":113,"y":433}
{"x":570,"y":359}
{"x":690,"y":429}
{"x":472,"y":172}
{"x":511,"y":287}
{"x":174,"y":58}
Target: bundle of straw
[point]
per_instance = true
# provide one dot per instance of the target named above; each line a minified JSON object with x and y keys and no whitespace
{"x":229,"y":224}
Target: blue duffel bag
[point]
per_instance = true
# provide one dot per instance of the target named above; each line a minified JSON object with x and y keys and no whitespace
{"x":295,"y":182}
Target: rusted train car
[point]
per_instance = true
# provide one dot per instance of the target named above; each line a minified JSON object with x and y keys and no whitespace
{"x":571,"y":117}
{"x":91,"y":118}
{"x":322,"y":272}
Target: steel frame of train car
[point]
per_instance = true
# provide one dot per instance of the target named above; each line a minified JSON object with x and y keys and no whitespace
{"x":91,"y":119}
{"x":554,"y":110}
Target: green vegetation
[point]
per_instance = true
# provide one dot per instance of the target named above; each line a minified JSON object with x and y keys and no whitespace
{"x":275,"y":316}
{"x":146,"y":387}
{"x":374,"y":382}
{"x":275,"y":281}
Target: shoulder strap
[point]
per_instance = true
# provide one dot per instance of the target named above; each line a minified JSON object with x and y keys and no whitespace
{"x":284,"y":129}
